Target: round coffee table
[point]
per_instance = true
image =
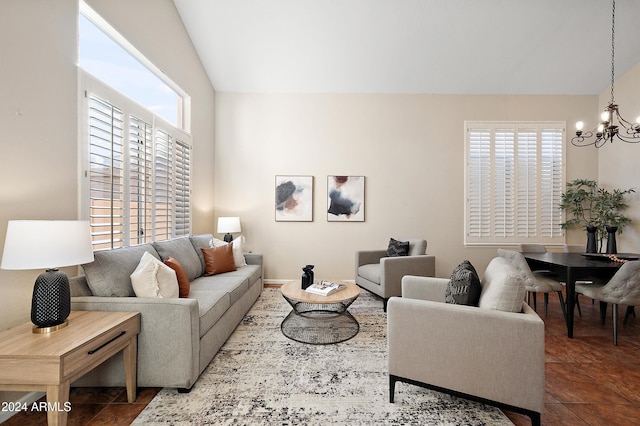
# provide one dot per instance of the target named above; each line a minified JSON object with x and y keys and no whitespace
{"x":319,"y":320}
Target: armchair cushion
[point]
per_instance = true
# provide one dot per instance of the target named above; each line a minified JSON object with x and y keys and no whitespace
{"x":397,"y":248}
{"x":464,"y":286}
{"x":370,"y":272}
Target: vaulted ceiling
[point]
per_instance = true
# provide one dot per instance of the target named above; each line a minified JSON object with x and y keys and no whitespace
{"x":412,"y":46}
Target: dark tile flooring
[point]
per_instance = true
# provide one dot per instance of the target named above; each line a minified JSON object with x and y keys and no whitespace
{"x":589,"y":381}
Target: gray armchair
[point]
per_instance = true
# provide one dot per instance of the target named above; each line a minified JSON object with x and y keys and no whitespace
{"x":382,"y":275}
{"x":486,"y":355}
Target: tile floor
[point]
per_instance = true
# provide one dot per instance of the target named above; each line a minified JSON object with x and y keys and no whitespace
{"x":588,"y":380}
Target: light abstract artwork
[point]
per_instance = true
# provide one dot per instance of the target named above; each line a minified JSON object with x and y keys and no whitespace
{"x":345,"y":198}
{"x":294,"y":198}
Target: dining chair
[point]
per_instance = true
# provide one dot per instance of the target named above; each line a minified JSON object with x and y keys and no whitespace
{"x":535,"y":283}
{"x":622,"y":289}
{"x":532,"y":248}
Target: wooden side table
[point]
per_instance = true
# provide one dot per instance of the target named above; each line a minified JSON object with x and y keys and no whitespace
{"x":51,"y":362}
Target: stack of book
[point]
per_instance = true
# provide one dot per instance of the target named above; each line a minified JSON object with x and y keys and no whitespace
{"x":324,"y":288}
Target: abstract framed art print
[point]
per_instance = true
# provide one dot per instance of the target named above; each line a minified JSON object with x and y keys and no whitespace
{"x":294,"y":198}
{"x":345,"y":198}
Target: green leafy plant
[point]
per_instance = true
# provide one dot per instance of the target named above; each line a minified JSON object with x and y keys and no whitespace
{"x":589,"y":205}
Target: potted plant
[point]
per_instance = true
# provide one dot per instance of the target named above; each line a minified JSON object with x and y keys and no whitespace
{"x":598,"y":210}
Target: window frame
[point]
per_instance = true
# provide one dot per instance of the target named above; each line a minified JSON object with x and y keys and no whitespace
{"x":177,"y":226}
{"x":490,"y":175}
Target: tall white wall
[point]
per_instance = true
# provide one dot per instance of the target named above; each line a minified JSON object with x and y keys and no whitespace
{"x":618,"y":161}
{"x":410,"y":148}
{"x":39,"y":113}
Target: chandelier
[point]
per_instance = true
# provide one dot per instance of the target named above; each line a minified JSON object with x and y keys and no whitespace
{"x":612,"y":125}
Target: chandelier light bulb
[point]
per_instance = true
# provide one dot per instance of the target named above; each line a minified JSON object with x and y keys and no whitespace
{"x":579,"y":126}
{"x":605,"y":116}
{"x":601,"y":129}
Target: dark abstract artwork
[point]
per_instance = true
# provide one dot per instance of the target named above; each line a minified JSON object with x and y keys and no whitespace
{"x":294,"y":198}
{"x":345,"y":198}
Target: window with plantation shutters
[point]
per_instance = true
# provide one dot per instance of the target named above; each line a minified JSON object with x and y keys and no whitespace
{"x":137,"y":186}
{"x":514,"y":178}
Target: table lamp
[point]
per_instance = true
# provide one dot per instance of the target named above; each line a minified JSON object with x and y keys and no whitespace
{"x":50,"y":244}
{"x":227,"y":225}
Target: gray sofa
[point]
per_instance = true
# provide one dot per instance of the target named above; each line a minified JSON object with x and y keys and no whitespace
{"x":493,"y":353}
{"x":179,"y":336}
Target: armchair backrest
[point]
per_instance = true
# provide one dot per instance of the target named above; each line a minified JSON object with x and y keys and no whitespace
{"x":417,"y":246}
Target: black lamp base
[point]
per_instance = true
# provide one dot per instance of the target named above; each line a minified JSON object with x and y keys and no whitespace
{"x":228,"y":237}
{"x":51,"y":302}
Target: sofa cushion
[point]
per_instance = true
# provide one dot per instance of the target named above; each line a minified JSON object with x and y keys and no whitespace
{"x":213,"y":302}
{"x":370,"y":272}
{"x":397,"y":248}
{"x":152,"y":278}
{"x":464,"y":285}
{"x":251,"y":272}
{"x":182,"y":250}
{"x":183,"y":280}
{"x":218,"y":259}
{"x":238,"y":249}
{"x":110,"y":272}
{"x":503,"y":288}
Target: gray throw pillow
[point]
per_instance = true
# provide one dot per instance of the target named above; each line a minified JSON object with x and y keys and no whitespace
{"x":397,"y":248}
{"x":464,"y":285}
{"x":182,"y":250}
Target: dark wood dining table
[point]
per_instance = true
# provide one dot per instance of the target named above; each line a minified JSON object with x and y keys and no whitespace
{"x":572,"y":267}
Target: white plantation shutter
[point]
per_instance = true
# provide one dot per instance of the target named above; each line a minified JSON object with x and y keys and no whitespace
{"x":105,"y":173}
{"x":163,"y":185}
{"x":513,"y":183}
{"x":182,"y":188}
{"x":140,"y":181}
{"x":137,"y":186}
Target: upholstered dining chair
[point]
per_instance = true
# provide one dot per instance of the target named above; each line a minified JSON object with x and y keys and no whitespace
{"x":532,"y":248}
{"x":622,"y":289}
{"x":534,"y":283}
{"x":381,"y":271}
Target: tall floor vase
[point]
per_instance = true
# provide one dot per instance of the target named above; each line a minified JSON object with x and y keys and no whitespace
{"x":591,"y":239}
{"x":612,"y":247}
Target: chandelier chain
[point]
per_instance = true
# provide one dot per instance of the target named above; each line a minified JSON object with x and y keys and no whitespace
{"x":613,"y":45}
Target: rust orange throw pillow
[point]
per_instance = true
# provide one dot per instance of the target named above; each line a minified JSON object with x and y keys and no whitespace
{"x":218,"y":259}
{"x":183,"y":280}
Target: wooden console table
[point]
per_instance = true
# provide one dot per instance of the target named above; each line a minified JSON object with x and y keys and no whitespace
{"x":51,"y":362}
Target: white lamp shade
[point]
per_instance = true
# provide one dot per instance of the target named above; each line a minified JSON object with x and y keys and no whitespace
{"x":228,"y":225}
{"x":40,"y":244}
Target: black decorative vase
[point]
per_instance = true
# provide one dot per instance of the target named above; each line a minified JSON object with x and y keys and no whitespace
{"x":307,"y":276}
{"x":612,"y":247}
{"x":591,"y":239}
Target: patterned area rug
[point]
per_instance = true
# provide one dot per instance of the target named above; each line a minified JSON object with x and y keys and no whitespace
{"x":261,"y":377}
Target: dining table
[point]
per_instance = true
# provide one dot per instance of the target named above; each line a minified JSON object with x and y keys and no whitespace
{"x":572,"y":267}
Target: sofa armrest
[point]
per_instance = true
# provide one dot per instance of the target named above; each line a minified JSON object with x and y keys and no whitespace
{"x":394,"y":268}
{"x":491,"y":354}
{"x":424,"y":288}
{"x":168,"y":359}
{"x":368,"y":257}
{"x":253,"y":258}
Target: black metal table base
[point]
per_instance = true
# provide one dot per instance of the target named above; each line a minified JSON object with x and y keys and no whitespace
{"x":319,"y":324}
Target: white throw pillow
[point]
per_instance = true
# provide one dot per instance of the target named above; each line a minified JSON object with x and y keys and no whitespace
{"x":152,"y":278}
{"x":238,"y":249}
{"x":503,"y":288}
